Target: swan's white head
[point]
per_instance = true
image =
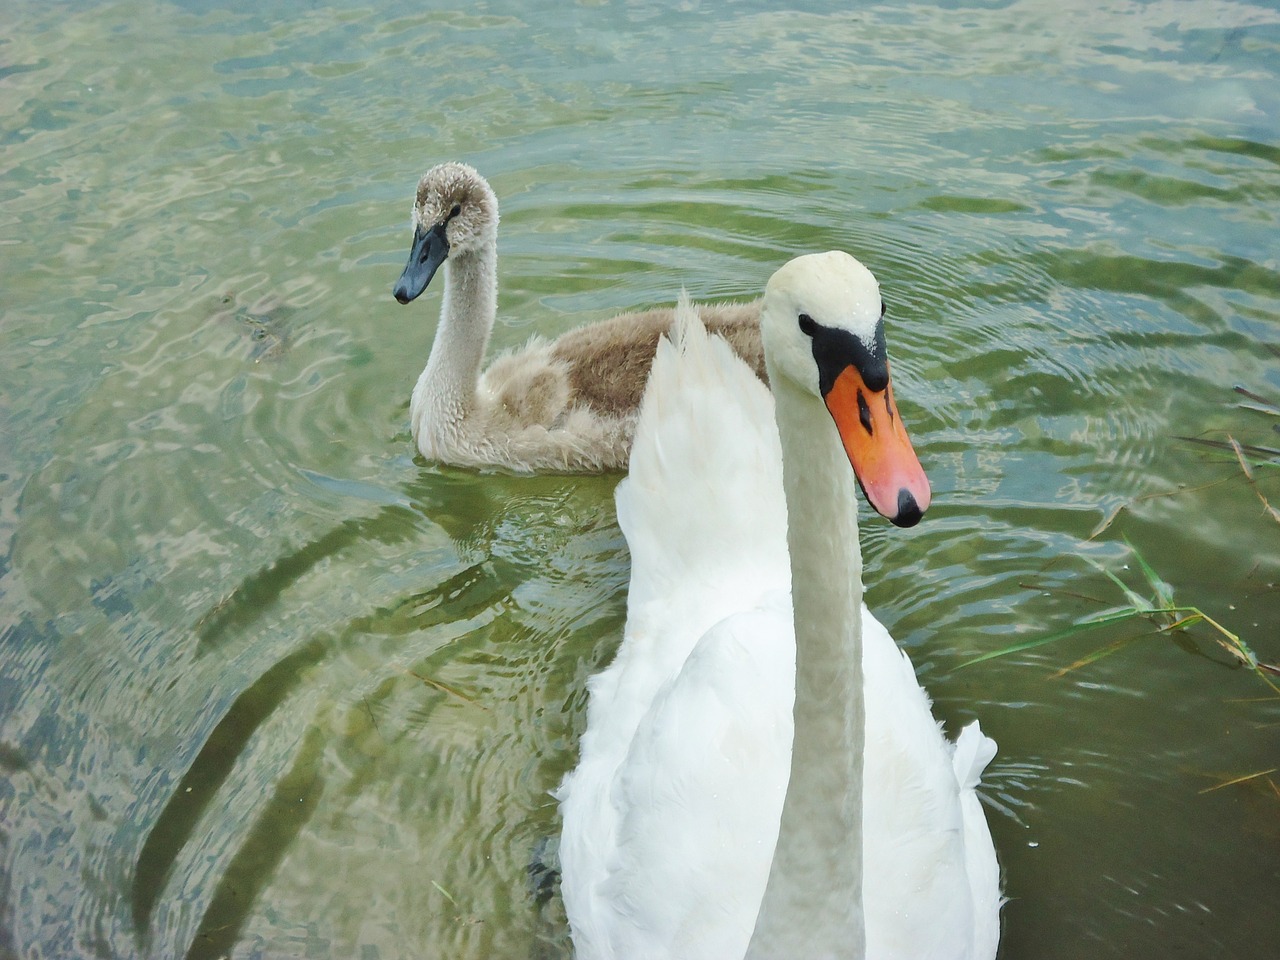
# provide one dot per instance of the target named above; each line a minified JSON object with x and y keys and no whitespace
{"x":823,"y":328}
{"x":454,"y":213}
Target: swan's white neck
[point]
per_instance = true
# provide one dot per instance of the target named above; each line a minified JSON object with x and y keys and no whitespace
{"x":446,"y":390}
{"x":812,"y":906}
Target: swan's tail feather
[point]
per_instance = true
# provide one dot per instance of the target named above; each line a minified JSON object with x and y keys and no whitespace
{"x":974,"y":750}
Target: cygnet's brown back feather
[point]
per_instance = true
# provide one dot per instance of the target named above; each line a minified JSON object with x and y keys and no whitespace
{"x":609,"y":362}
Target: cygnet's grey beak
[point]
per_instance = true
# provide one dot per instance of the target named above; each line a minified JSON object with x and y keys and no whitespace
{"x":430,"y":249}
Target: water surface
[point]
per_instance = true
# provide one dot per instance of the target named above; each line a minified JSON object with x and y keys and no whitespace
{"x":271,"y":686}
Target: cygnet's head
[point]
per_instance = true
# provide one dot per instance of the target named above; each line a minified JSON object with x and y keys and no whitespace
{"x":454,"y":213}
{"x":823,"y":329}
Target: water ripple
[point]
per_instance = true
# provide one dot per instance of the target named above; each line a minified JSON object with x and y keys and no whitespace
{"x":271,"y":685}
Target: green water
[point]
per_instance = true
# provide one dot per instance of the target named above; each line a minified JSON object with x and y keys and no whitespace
{"x":271,"y":686}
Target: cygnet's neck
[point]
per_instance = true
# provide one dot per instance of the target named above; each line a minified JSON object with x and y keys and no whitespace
{"x":446,"y":390}
{"x":813,"y":902}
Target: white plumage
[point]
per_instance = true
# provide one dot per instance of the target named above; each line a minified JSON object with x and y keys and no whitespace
{"x":671,"y":819}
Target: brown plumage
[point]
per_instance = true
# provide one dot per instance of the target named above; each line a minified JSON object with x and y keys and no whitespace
{"x":609,"y":361}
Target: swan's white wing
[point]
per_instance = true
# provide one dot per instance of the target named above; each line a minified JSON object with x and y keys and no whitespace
{"x":930,"y":879}
{"x":703,"y":513}
{"x":705,"y":772}
{"x":708,"y":633}
{"x":703,"y":498}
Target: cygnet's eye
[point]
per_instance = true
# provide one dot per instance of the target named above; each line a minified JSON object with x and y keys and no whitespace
{"x":807,"y":325}
{"x":457,"y":209}
{"x":881,"y":309}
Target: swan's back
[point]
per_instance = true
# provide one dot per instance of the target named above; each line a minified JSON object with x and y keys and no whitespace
{"x":656,"y":813}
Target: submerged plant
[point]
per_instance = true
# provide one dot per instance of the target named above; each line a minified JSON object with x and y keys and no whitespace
{"x":1250,"y":455}
{"x":1160,"y":609}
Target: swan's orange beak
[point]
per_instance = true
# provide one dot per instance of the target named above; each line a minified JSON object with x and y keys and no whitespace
{"x":881,"y":454}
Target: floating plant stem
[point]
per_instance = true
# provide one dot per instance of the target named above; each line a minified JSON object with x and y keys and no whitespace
{"x":1169,"y":617}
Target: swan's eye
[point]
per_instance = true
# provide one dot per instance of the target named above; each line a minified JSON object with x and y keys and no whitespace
{"x":457,"y":209}
{"x":881,"y":309}
{"x":807,"y":325}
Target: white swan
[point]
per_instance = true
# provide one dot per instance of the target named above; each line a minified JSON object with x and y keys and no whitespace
{"x":691,"y":827}
{"x":567,"y":405}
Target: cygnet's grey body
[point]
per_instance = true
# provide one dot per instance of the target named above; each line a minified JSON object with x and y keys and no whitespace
{"x":565,"y":405}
